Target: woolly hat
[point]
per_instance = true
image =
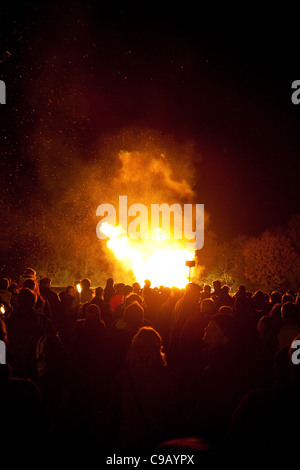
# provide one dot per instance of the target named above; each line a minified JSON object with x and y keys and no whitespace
{"x":93,"y":314}
{"x":29,"y":272}
{"x":45,"y":281}
{"x":227,"y":323}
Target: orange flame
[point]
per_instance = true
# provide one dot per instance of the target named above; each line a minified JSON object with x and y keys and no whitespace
{"x":160,"y":260}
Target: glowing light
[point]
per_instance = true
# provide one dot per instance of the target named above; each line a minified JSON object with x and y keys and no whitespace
{"x":160,"y":260}
{"x":2,"y":309}
{"x":78,"y":287}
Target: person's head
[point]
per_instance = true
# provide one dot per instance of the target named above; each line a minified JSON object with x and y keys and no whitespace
{"x":147,"y":283}
{"x":85,"y":284}
{"x":259,"y":298}
{"x":110,"y":282}
{"x":287,"y":298}
{"x":242,"y":290}
{"x":126,"y":290}
{"x":226,"y":309}
{"x":146,"y":348}
{"x":134,"y":315}
{"x":220,"y":330}
{"x":217,"y":285}
{"x":207,"y":289}
{"x":225,"y":289}
{"x":29,"y":272}
{"x":92,"y":314}
{"x":12,"y":287}
{"x":119,"y":288}
{"x":275,"y":312}
{"x":30,"y":284}
{"x":292,"y":293}
{"x":275,"y":297}
{"x":71,"y":290}
{"x":244,"y":305}
{"x":290,"y":313}
{"x":45,"y":283}
{"x":99,"y":292}
{"x":208,"y":306}
{"x":4,"y":283}
{"x":192,"y":291}
{"x":165,"y":293}
{"x":132,"y":297}
{"x":136,"y":287}
{"x":27,"y":299}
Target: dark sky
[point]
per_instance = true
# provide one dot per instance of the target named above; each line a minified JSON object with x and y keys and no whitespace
{"x":210,"y":73}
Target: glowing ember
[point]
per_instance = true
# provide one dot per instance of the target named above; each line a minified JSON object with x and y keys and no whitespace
{"x":161,"y":261}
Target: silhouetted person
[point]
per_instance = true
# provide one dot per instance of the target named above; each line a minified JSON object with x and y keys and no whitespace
{"x":224,"y":298}
{"x":219,"y":385}
{"x":123,"y":330}
{"x":191,"y":338}
{"x":119,"y":311}
{"x":12,"y":288}
{"x":241,"y":291}
{"x":88,"y":359}
{"x":261,"y":305}
{"x":147,"y":286}
{"x":5,"y":294}
{"x":206,"y":292}
{"x":29,"y":273}
{"x":109,"y":290}
{"x":52,"y":298}
{"x":117,"y":298}
{"x":42,"y":305}
{"x":165,"y":314}
{"x":22,"y":420}
{"x":275,"y":298}
{"x":136,"y":288}
{"x":69,"y":313}
{"x":24,"y":328}
{"x":185,"y":308}
{"x":217,"y":288}
{"x":105,"y":310}
{"x":86,"y":293}
{"x":268,"y":418}
{"x":144,"y":401}
{"x":290,"y":327}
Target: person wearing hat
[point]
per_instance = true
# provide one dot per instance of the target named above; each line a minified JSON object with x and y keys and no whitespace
{"x":219,"y":384}
{"x":29,"y":273}
{"x":186,"y":307}
{"x":221,"y":330}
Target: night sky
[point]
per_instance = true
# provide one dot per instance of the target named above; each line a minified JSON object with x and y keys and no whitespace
{"x":210,"y":74}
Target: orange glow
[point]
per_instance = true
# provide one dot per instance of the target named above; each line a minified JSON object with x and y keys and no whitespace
{"x":78,"y":287}
{"x":160,"y":260}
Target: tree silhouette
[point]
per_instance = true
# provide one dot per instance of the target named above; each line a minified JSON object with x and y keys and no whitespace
{"x":269,"y":259}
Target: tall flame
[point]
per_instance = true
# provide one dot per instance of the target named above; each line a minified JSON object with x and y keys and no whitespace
{"x":160,"y":260}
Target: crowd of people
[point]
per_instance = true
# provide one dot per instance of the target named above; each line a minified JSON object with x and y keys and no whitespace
{"x":133,"y":367}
